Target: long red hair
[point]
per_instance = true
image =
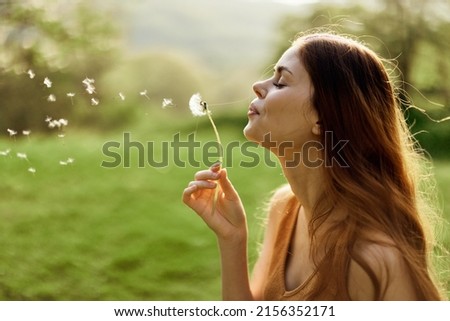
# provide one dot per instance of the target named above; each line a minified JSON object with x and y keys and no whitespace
{"x":356,"y":102}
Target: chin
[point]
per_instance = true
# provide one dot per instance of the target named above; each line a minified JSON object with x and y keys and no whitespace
{"x":248,"y":133}
{"x":252,"y":135}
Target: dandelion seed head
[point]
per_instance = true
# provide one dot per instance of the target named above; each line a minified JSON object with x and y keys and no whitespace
{"x":70,"y":160}
{"x":32,"y":170}
{"x":21,"y":155}
{"x":47,"y":82}
{"x":11,"y":132}
{"x":122,"y":96}
{"x":63,"y":163}
{"x":167,"y":102}
{"x":70,"y":95}
{"x":197,"y":106}
{"x":51,"y":98}
{"x":31,"y":73}
{"x":61,"y":135}
{"x":143,"y":93}
{"x":26,"y":132}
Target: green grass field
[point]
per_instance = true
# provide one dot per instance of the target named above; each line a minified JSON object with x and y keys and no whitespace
{"x":83,"y":232}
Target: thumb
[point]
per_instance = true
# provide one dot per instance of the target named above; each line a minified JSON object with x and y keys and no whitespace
{"x":226,"y":185}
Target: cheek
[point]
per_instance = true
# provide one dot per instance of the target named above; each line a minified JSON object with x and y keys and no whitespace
{"x":289,"y":114}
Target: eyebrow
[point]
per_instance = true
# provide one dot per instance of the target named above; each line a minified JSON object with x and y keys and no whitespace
{"x":280,"y":69}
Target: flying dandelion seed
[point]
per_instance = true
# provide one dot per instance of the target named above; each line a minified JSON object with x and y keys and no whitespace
{"x":71,"y":95}
{"x":21,"y":155}
{"x":94,"y":102}
{"x":61,"y":135}
{"x":52,"y":123}
{"x":51,"y":98}
{"x":144,"y":93}
{"x":89,"y":84}
{"x":5,"y":152}
{"x":122,"y":96}
{"x":88,"y":81}
{"x":167,"y":102}
{"x":32,"y":170}
{"x":31,"y":73}
{"x":26,"y":132}
{"x":47,"y":82}
{"x":90,"y":89}
{"x":11,"y":132}
{"x":66,"y":162}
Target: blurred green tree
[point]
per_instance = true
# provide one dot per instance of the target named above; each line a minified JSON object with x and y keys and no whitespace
{"x":64,"y":41}
{"x":415,"y":35}
{"x":160,"y":73}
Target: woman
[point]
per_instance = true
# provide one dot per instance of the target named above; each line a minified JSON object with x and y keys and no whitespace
{"x":348,"y":226}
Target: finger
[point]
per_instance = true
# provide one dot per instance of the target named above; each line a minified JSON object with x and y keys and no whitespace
{"x":216,"y":166}
{"x":210,"y":173}
{"x":187,"y":194}
{"x":226,"y":185}
{"x":203,"y":184}
{"x":206,"y":174}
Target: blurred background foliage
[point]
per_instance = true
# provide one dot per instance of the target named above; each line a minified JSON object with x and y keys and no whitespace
{"x":172,"y":49}
{"x":82,"y":232}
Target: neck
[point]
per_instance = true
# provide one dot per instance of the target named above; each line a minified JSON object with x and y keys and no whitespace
{"x":307,"y":184}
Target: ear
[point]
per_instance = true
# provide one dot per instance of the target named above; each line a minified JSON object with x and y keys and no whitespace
{"x":314,"y":120}
{"x":317,"y":128}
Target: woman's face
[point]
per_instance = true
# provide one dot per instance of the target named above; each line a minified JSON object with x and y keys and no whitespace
{"x":282,"y":107}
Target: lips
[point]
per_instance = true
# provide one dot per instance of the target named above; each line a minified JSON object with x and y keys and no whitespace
{"x":252,"y":110}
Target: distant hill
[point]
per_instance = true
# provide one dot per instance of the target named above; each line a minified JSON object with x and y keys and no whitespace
{"x":221,"y":34}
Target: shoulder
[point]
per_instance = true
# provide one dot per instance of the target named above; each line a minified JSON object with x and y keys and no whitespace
{"x":388,"y":268}
{"x":280,"y":197}
{"x":277,"y":205}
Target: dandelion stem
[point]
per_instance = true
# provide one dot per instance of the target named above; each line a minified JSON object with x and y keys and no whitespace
{"x":217,"y":137}
{"x":216,"y":192}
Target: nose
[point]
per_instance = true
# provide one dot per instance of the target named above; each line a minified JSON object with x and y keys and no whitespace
{"x":258,"y":88}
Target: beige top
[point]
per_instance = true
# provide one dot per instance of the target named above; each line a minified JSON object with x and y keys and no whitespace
{"x":275,"y":286}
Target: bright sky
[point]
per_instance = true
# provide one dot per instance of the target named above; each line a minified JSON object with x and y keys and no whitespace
{"x":296,"y":2}
{"x":299,"y":2}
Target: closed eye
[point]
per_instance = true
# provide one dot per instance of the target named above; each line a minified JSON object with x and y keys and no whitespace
{"x":278,"y":85}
